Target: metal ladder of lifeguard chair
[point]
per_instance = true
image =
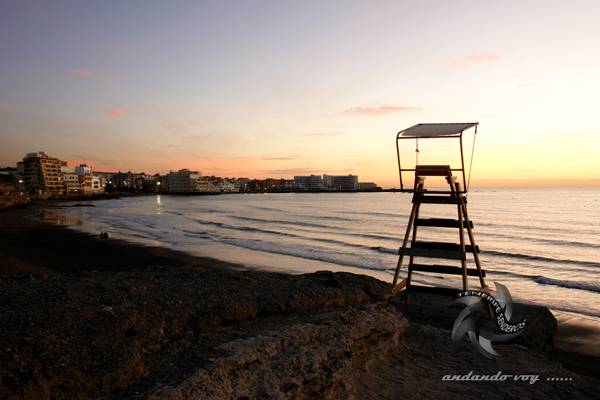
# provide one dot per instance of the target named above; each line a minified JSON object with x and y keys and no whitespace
{"x":438,"y":250}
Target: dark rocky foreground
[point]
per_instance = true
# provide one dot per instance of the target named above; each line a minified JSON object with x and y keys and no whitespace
{"x":104,"y":333}
{"x":195,"y":332}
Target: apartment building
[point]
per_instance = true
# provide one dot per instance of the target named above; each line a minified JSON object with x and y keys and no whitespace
{"x":205,"y":184}
{"x":83,"y":169}
{"x":90,"y":183}
{"x":182,"y":181}
{"x":71,"y":183}
{"x":310,"y":182}
{"x":241,"y":185}
{"x":41,"y":174}
{"x":340,"y":182}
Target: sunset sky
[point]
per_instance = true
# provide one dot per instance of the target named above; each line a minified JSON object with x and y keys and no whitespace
{"x":281,"y":88}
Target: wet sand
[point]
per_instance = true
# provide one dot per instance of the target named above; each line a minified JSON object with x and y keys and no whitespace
{"x":30,"y":245}
{"x":577,"y":344}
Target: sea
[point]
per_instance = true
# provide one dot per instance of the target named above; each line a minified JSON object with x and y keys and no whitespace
{"x":544,"y":245}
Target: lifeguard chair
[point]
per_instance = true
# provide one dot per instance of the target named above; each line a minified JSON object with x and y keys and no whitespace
{"x":454,"y":195}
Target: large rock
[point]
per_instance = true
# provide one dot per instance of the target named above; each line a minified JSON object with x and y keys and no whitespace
{"x":319,"y":359}
{"x":441,"y":311}
{"x":98,"y":333}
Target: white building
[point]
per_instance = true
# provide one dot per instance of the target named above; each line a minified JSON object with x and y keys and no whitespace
{"x":205,"y":184}
{"x":226,"y":186}
{"x":89,"y":183}
{"x":96,"y":184}
{"x":83,"y":169}
{"x":70,"y":181}
{"x":213,"y":184}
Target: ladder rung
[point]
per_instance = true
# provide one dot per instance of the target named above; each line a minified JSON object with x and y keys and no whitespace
{"x":427,"y":191}
{"x":434,"y":290}
{"x":445,"y":269}
{"x":442,"y":222}
{"x":445,"y":254}
{"x":444,"y":246}
{"x":438,"y":199}
{"x":433,"y":170}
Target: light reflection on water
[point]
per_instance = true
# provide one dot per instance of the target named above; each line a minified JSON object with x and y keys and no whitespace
{"x":58,"y":216}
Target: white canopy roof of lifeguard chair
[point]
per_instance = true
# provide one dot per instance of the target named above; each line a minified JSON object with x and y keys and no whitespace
{"x":436,"y":130}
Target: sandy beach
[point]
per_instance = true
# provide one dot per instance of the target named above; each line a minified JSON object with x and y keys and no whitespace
{"x":84,"y":319}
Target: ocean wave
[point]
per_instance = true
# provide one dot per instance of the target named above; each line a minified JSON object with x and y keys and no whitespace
{"x":153,"y":231}
{"x":328,"y":217}
{"x":334,"y":230}
{"x":384,"y":214}
{"x":543,"y":280}
{"x":224,"y":225}
{"x":515,"y":274}
{"x":196,"y":234}
{"x":308,"y":253}
{"x":385,"y":250}
{"x":589,"y":286}
{"x":375,"y":236}
{"x":556,"y":242}
{"x":535,"y":225}
{"x":292,"y":235}
{"x":283,"y":222}
{"x":388,"y":250}
{"x":268,"y":208}
{"x":350,"y":234}
{"x":541,"y":258}
{"x":173,"y":212}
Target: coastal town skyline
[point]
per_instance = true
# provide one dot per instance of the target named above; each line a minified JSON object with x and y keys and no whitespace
{"x":271,"y":89}
{"x":74,"y":164}
{"x":40,"y":176}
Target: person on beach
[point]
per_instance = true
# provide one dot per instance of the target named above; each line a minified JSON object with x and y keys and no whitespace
{"x":103,"y":237}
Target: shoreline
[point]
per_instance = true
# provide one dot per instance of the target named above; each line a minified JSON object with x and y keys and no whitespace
{"x":32,"y":245}
{"x":70,"y":273}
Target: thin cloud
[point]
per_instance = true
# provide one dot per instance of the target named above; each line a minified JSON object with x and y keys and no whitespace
{"x":317,"y":135}
{"x":82,"y":73}
{"x":285,"y":158}
{"x":291,"y":171}
{"x":477,"y":58}
{"x":115,"y":112}
{"x":378,"y":111}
